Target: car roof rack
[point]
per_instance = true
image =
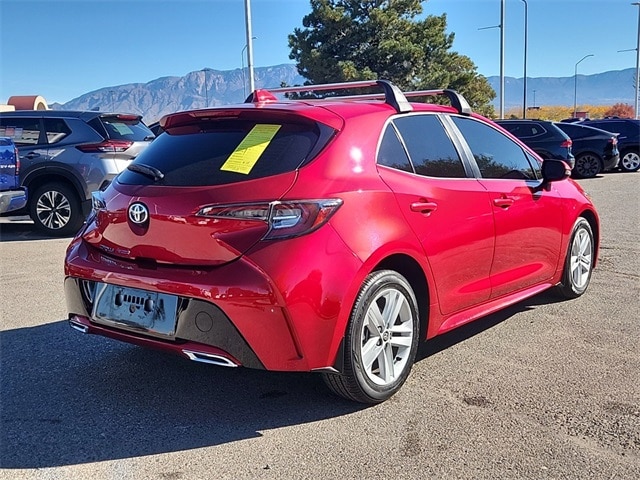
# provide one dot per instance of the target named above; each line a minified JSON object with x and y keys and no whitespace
{"x":391,"y":94}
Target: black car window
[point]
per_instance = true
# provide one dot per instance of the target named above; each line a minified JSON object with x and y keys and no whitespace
{"x":23,"y":131}
{"x":524,"y":129}
{"x":126,"y":127}
{"x":497,"y":156}
{"x":392,"y":153}
{"x":430,"y":148}
{"x":226,"y":151}
{"x":56,"y":129}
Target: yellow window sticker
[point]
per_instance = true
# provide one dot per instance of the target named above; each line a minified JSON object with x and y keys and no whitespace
{"x":246,"y":155}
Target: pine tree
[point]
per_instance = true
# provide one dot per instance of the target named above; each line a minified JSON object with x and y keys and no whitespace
{"x":348,"y":40}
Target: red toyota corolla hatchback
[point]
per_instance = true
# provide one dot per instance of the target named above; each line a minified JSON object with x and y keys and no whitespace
{"x":325,"y":235}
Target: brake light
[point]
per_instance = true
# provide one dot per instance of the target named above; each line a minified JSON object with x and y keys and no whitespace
{"x":108,"y":146}
{"x":285,"y":219}
{"x":17,"y":160}
{"x":567,"y":143}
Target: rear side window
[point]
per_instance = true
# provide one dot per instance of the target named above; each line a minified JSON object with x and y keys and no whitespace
{"x":391,"y":153}
{"x":430,"y":148}
{"x":23,"y":131}
{"x":524,"y":130}
{"x":56,"y":129}
{"x":228,"y":151}
{"x":122,"y":127}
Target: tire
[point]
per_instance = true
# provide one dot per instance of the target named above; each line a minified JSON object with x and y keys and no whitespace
{"x":55,"y":209}
{"x":578,"y":264}
{"x":381,"y":340}
{"x":588,"y":165}
{"x":629,"y":161}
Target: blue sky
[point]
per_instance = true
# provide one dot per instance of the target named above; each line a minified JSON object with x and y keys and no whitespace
{"x":62,"y":49}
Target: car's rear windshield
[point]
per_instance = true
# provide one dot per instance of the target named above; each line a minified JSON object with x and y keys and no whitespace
{"x":122,"y":127}
{"x":227,"y":151}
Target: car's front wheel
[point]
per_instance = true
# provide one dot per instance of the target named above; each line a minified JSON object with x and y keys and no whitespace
{"x":580,"y":260}
{"x":587,"y":165}
{"x":55,"y":209}
{"x":630,"y":161}
{"x":381,"y":340}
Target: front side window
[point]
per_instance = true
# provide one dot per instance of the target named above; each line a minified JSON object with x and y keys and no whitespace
{"x":497,"y":156}
{"x":430,"y":148}
{"x":23,"y":131}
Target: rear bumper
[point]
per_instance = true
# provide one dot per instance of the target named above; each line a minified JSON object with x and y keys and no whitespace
{"x":610,"y":162}
{"x":11,"y":200}
{"x":287,"y":320}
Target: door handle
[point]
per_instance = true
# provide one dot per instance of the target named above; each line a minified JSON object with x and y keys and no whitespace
{"x":32,"y":155}
{"x":424,"y":207}
{"x":503,"y":202}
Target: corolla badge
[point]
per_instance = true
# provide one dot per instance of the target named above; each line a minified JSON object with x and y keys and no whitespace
{"x":138,"y":213}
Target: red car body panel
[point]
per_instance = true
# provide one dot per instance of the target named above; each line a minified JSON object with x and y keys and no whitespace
{"x":476,"y":245}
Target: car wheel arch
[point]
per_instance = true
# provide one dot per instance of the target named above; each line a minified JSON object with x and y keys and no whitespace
{"x":406,"y":265}
{"x":53,"y":174}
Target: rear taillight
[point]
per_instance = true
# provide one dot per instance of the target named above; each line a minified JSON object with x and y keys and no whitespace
{"x":567,"y":143}
{"x":17,"y":160}
{"x":108,"y":146}
{"x":285,"y":219}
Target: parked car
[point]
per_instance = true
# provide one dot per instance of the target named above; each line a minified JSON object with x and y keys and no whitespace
{"x":66,"y":155}
{"x":628,"y":131}
{"x":12,"y":196}
{"x":595,"y":150}
{"x":544,"y":137}
{"x":328,"y":236}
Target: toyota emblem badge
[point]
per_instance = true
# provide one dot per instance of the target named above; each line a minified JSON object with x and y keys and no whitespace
{"x":138,"y":213}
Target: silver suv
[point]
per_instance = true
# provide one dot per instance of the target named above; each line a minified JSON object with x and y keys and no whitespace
{"x":67,"y":155}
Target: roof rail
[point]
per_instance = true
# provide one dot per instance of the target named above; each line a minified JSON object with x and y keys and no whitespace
{"x":391,"y":94}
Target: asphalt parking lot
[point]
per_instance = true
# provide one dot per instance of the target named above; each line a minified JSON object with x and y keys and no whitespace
{"x":547,"y":389}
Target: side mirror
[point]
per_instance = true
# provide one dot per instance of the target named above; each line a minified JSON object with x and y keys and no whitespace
{"x":554,"y":170}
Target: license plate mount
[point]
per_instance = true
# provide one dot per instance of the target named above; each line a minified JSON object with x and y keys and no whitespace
{"x":134,"y":309}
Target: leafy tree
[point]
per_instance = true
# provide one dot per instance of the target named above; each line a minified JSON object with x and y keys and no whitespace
{"x":349,"y":40}
{"x":621,"y":110}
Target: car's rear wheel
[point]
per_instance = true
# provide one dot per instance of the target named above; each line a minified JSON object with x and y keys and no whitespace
{"x":579,"y":262}
{"x":55,"y":209}
{"x":588,"y":165}
{"x":381,"y":340}
{"x":630,"y":161}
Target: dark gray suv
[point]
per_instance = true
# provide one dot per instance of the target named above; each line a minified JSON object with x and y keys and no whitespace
{"x":67,"y":155}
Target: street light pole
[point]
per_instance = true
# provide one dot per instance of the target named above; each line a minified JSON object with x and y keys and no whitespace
{"x":575,"y":84}
{"x":247,"y":11}
{"x":206,"y":91}
{"x":501,"y":27}
{"x":637,"y":62}
{"x":524,"y":92}
{"x":502,"y":59}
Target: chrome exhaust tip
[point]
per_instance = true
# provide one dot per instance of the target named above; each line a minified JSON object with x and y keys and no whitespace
{"x":78,"y":326}
{"x":209,"y":358}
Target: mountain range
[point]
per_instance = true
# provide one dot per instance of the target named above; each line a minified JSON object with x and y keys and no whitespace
{"x":209,"y":87}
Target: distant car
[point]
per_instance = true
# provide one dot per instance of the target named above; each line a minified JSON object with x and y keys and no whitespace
{"x":628,"y":139}
{"x":12,"y":196}
{"x":595,"y":150}
{"x":66,"y":155}
{"x":330,"y":236}
{"x":544,"y":137}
